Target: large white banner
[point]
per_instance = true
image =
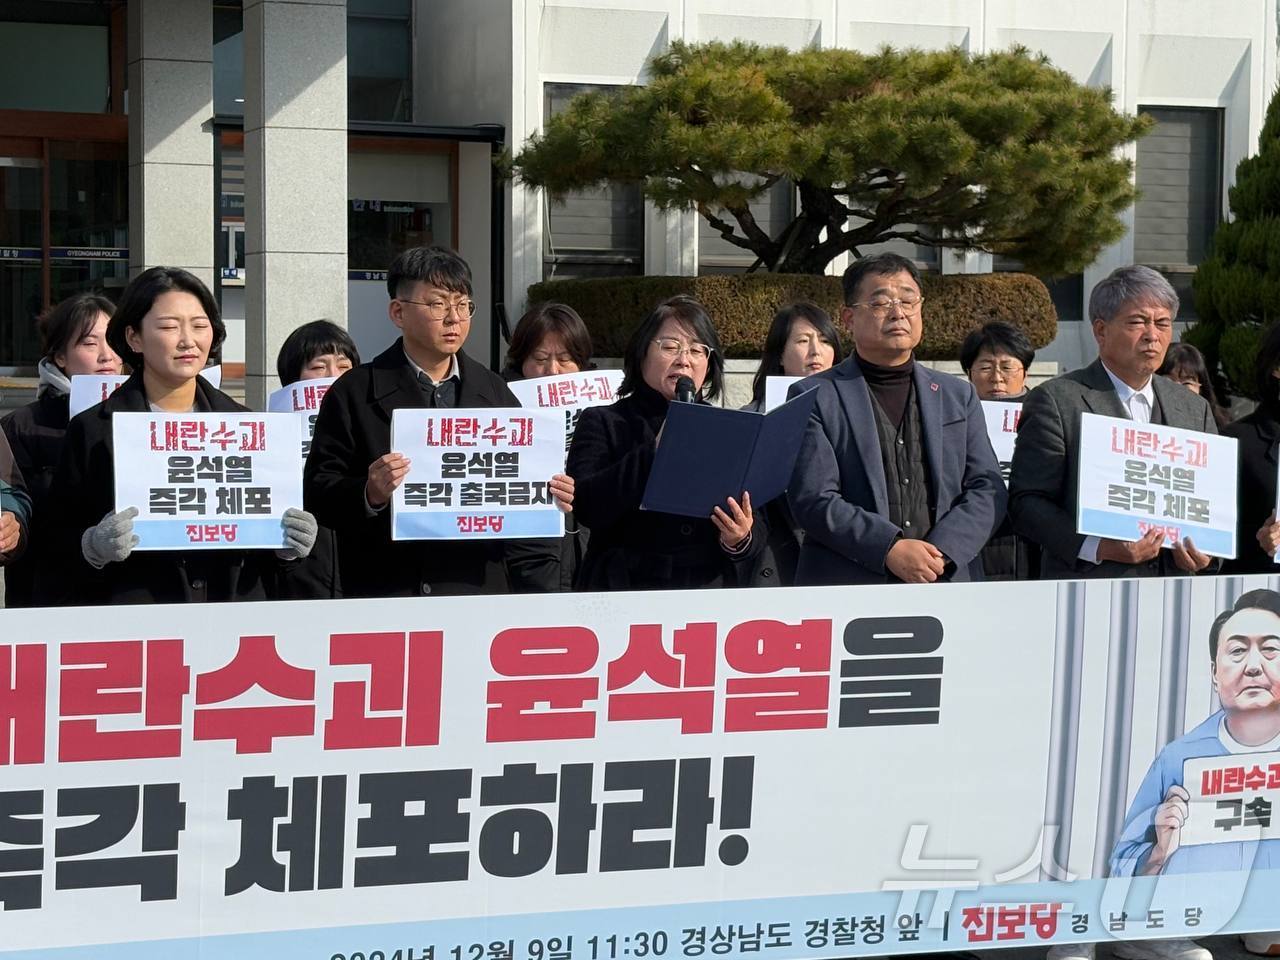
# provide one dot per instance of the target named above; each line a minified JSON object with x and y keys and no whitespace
{"x":814,"y":773}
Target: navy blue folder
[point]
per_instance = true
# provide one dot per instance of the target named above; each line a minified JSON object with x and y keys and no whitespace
{"x":708,"y":454}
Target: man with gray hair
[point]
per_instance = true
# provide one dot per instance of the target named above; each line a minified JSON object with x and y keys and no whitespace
{"x":1132,"y":313}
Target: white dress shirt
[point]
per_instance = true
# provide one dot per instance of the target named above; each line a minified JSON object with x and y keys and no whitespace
{"x":1138,"y":405}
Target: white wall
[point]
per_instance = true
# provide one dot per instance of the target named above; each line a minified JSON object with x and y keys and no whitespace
{"x":1150,"y":52}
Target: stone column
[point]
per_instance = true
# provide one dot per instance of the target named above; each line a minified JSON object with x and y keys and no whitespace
{"x":171,"y":198}
{"x":295,"y":159}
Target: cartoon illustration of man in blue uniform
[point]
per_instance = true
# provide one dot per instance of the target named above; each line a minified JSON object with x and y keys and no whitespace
{"x":1244,"y":645}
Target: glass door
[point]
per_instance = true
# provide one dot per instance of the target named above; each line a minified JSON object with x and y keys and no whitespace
{"x":21,"y":252}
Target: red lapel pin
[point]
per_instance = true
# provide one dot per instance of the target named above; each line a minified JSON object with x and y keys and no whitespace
{"x":933,"y":387}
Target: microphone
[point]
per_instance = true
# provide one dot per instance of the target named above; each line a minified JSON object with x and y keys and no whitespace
{"x":684,"y":390}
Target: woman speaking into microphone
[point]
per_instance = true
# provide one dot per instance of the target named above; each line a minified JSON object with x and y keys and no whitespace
{"x":673,"y":354}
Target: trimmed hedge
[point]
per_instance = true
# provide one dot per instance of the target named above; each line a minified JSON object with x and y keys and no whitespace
{"x":742,"y":306}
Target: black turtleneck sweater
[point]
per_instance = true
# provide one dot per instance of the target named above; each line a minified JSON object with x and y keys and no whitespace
{"x":891,"y":386}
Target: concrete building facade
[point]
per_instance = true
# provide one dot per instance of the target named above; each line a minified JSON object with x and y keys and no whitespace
{"x":285,"y":149}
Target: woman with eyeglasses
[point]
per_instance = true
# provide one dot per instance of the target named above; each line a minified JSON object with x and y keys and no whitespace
{"x":613,"y":451}
{"x":549,"y":340}
{"x":996,"y":358}
{"x":1184,"y":364}
{"x":165,"y":326}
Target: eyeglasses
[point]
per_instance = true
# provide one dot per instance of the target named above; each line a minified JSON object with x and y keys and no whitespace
{"x":882,"y":305}
{"x":673,"y":348}
{"x":1006,"y":368}
{"x":438,"y":310}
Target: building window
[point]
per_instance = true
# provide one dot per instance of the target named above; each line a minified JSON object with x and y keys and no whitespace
{"x":379,"y":60}
{"x":592,"y":233}
{"x":772,"y":211}
{"x":228,"y":59}
{"x":77,"y":79}
{"x":1179,"y":177}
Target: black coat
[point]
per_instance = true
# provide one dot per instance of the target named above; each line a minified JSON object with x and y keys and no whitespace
{"x":35,"y":434}
{"x":1258,"y":435}
{"x":353,"y":429}
{"x":83,"y":493}
{"x":630,"y":549}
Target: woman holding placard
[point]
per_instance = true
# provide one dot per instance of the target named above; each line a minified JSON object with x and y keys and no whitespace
{"x":550,"y":340}
{"x":165,"y":326}
{"x":613,"y":451}
{"x":74,"y":337}
{"x":319,"y":350}
{"x":996,"y":358}
{"x":801,"y":341}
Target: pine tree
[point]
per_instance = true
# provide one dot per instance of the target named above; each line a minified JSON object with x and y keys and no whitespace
{"x":998,"y":152}
{"x":1237,"y":287}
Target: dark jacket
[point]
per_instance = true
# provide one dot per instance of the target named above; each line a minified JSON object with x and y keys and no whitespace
{"x":1008,"y":556}
{"x":83,"y":493}
{"x":838,"y":491}
{"x":1046,"y":464}
{"x":630,"y":549}
{"x":35,"y":434}
{"x":1258,"y":435}
{"x":353,"y":429}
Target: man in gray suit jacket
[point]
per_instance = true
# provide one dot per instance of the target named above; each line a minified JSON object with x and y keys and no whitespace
{"x":1132,"y":311}
{"x":896,"y":480}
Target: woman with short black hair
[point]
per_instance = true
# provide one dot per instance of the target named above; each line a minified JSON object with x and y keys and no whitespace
{"x":165,"y":326}
{"x":74,"y":338}
{"x":1257,"y":532}
{"x":996,"y":358}
{"x":316,"y":350}
{"x":613,"y":451}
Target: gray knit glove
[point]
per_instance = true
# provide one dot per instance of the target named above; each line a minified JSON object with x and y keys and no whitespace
{"x":300,"y":529}
{"x":111,"y":541}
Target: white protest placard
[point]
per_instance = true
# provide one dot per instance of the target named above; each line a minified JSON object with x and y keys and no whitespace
{"x":477,"y":474}
{"x":1232,"y":798}
{"x":207,"y":480}
{"x":88,"y":390}
{"x":775,"y":391}
{"x":570,"y":392}
{"x":213,"y":376}
{"x":303,"y":399}
{"x":1002,"y":430}
{"x":1135,"y":477}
